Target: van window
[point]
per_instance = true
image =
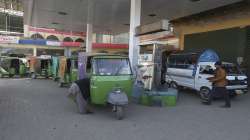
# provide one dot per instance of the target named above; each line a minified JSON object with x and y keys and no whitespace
{"x":231,"y":69}
{"x":206,"y":69}
{"x":181,"y":62}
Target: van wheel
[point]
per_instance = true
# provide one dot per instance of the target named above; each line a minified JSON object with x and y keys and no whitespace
{"x":174,"y":85}
{"x":204,"y":93}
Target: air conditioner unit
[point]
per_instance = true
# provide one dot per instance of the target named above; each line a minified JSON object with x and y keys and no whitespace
{"x":160,"y":26}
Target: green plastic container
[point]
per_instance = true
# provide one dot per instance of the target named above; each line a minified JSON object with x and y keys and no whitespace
{"x":146,"y":100}
{"x":169,"y":100}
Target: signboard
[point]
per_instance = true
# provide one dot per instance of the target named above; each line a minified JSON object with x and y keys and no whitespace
{"x":9,"y":39}
{"x":156,"y":36}
{"x":145,"y":58}
{"x":71,"y":44}
{"x":53,"y":43}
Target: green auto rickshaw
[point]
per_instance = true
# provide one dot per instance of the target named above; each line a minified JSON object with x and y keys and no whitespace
{"x":55,"y":67}
{"x":12,"y":66}
{"x":40,"y":66}
{"x":68,"y":71}
{"x":111,"y":80}
{"x":3,"y":72}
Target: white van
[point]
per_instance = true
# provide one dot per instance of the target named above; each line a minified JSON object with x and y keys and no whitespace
{"x":192,"y":70}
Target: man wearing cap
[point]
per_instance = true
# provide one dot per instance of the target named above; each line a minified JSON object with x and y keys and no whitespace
{"x":219,"y":85}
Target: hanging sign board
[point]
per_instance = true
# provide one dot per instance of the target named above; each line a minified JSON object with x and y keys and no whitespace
{"x":156,"y":36}
{"x":9,"y":39}
{"x":53,"y":43}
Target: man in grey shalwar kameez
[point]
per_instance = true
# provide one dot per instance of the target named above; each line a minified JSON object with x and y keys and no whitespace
{"x":79,"y":92}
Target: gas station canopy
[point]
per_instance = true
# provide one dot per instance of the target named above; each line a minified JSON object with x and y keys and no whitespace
{"x":108,"y":16}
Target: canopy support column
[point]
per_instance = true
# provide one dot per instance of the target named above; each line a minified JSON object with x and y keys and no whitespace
{"x":135,"y":20}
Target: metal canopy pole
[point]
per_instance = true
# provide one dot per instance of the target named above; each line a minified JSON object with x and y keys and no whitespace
{"x":135,"y":20}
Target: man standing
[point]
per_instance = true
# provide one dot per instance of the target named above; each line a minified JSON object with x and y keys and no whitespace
{"x":219,"y":85}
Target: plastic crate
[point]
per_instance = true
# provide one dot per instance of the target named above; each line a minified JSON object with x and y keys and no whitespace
{"x":146,"y":100}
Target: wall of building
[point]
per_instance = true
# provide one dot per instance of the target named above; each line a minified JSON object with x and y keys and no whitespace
{"x":233,"y":16}
{"x":229,"y":43}
{"x":224,"y":29}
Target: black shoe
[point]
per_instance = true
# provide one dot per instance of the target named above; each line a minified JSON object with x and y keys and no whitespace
{"x":226,"y":106}
{"x":206,"y":103}
{"x":89,"y":112}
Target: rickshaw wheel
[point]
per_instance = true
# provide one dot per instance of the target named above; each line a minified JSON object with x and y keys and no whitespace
{"x":60,"y":84}
{"x":33,"y":76}
{"x":120,"y":112}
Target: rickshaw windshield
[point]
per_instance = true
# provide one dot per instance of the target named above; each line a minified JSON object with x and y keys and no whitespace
{"x":111,"y":66}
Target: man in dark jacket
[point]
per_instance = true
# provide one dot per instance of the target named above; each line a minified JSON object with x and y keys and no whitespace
{"x":219,"y":85}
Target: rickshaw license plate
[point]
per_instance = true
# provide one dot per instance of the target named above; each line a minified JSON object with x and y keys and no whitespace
{"x":239,"y":92}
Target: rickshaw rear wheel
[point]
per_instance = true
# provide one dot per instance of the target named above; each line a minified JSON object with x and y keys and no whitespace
{"x":33,"y":75}
{"x":120,"y":113}
{"x":61,"y":84}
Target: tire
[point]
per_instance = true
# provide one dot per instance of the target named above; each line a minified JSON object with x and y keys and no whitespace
{"x":174,"y":85}
{"x":204,"y":93}
{"x":60,"y":84}
{"x":54,"y":79}
{"x":119,"y":112}
{"x":33,"y":76}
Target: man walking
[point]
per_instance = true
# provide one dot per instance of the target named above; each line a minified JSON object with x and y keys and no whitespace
{"x":219,"y":85}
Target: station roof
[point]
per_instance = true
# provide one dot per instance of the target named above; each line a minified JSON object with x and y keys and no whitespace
{"x":111,"y":16}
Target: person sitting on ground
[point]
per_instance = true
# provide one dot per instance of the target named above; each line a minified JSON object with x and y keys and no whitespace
{"x":80,"y":93}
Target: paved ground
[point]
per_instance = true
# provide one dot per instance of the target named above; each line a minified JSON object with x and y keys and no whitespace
{"x":39,"y":110}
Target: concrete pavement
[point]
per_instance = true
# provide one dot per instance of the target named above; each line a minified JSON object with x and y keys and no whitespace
{"x":40,"y":110}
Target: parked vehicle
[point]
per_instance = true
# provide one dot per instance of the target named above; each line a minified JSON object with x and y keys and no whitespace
{"x":68,"y":72}
{"x":192,"y":70}
{"x":110,"y":78}
{"x":40,"y":66}
{"x":55,"y":67}
{"x":12,"y":66}
{"x":3,"y":73}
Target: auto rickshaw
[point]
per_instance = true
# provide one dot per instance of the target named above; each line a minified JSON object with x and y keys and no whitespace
{"x":3,"y":72}
{"x":111,"y":80}
{"x":68,"y":71}
{"x":40,"y":66}
{"x":55,"y":67}
{"x":12,"y":66}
